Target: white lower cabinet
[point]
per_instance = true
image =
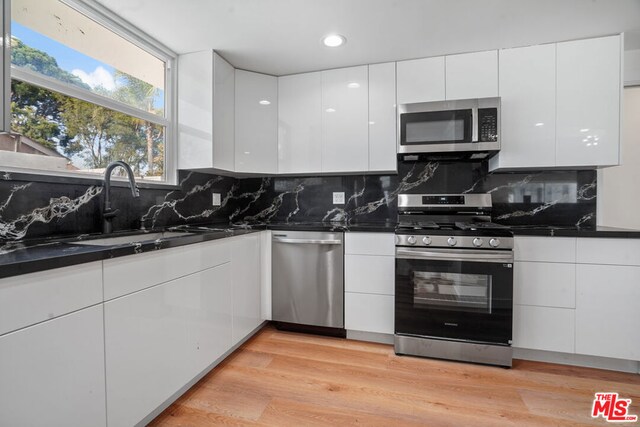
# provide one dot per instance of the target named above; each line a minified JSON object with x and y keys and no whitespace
{"x":246,"y":288}
{"x":368,"y":312}
{"x":607,"y":315}
{"x":544,"y":328}
{"x":369,"y":282}
{"x":158,"y":339}
{"x":544,"y":284}
{"x":52,"y":373}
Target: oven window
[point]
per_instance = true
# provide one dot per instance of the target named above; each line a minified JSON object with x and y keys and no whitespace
{"x":457,"y":291}
{"x":435,"y":131}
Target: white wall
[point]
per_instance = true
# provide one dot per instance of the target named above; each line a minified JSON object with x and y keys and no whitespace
{"x":619,"y":187}
{"x":632,"y":67}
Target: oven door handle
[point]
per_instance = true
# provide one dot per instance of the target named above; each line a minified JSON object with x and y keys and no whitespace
{"x":455,"y":255}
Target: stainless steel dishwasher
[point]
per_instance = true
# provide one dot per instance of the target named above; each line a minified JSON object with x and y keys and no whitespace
{"x":308,"y":279}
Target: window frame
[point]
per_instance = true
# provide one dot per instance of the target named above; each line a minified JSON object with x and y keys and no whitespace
{"x":124,"y":29}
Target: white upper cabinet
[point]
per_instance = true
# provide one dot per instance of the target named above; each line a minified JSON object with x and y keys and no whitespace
{"x":421,"y":80}
{"x":256,"y":123}
{"x":528,"y":107}
{"x":299,"y":123}
{"x":345,"y":128}
{"x":206,"y":112}
{"x":588,"y":102}
{"x":472,"y":75}
{"x":382,"y":117}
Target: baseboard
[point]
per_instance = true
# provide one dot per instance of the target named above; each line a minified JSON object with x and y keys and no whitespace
{"x":146,"y":420}
{"x":370,"y":336}
{"x":610,"y":364}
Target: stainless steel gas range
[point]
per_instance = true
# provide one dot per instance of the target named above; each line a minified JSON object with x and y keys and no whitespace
{"x":454,"y":279}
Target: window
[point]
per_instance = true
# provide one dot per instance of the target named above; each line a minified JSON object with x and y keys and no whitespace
{"x":86,"y":91}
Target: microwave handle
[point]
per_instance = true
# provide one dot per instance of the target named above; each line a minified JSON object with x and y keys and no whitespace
{"x":474,"y":124}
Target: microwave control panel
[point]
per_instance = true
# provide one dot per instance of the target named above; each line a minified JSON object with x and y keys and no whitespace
{"x":487,"y":124}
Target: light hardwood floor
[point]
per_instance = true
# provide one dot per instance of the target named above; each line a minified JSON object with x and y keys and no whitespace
{"x":289,"y":379}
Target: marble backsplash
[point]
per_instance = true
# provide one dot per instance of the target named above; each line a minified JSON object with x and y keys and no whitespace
{"x":31,"y":208}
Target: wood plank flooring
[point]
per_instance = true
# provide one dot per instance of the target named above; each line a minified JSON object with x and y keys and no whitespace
{"x":290,"y":379}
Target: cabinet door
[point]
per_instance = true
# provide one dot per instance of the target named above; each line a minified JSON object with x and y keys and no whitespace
{"x":472,"y":75}
{"x":528,"y":107}
{"x":159,"y":339}
{"x":368,"y":312}
{"x":256,"y":120}
{"x":369,"y":274}
{"x":588,"y":102}
{"x":421,"y":80}
{"x":223,"y":114}
{"x":195,"y":104}
{"x":52,"y":373}
{"x":544,"y":328}
{"x":607,"y":316}
{"x":245,"y":259}
{"x":345,"y":118}
{"x":299,"y":123}
{"x":382,"y":117}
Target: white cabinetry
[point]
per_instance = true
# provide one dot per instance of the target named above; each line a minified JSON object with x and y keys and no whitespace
{"x":345,"y":129}
{"x":607,"y":316}
{"x":528,"y":107}
{"x":382,"y":117}
{"x":299,"y":123}
{"x":561,"y":105}
{"x":588,"y":102}
{"x":256,"y":123}
{"x":472,"y":75}
{"x":246,"y":289}
{"x":544,"y":293}
{"x":586,"y":302}
{"x":160,"y":338}
{"x":369,"y":282}
{"x":206,"y":89}
{"x":32,"y":298}
{"x":52,"y":373}
{"x":421,"y":80}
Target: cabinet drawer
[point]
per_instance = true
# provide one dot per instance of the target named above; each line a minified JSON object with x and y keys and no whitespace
{"x":544,"y":328}
{"x":32,"y":298}
{"x":545,"y":249}
{"x":368,"y":313}
{"x":370,"y":243}
{"x":607,"y":317}
{"x":135,"y":272}
{"x":544,"y":284}
{"x":608,"y":251}
{"x":369,"y":274}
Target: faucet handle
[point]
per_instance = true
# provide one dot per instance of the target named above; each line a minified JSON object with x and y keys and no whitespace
{"x":110,"y":213}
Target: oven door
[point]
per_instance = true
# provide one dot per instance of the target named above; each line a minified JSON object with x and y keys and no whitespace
{"x":436,"y":127}
{"x":461,"y":294}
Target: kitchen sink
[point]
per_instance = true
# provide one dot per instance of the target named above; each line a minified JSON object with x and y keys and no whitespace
{"x":132,"y":238}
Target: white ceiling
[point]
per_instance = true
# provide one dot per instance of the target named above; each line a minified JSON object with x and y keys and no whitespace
{"x":283,"y":36}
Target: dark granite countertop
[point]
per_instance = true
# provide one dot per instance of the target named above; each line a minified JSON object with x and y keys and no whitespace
{"x":30,"y":256}
{"x":598,"y":231}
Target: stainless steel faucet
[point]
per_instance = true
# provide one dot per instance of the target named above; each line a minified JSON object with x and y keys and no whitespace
{"x":107,"y":213}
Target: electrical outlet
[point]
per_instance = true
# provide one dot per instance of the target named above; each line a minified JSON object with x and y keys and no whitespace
{"x":338,"y":197}
{"x":215,"y":199}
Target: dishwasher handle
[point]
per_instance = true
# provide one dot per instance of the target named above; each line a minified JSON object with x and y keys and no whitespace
{"x":308,"y":241}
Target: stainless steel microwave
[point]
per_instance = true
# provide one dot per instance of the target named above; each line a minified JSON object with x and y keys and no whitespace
{"x":453,"y":127}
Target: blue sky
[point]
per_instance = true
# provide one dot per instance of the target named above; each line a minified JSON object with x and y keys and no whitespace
{"x":68,"y":59}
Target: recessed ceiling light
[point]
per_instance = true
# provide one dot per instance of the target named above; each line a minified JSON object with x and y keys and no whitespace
{"x":353,"y":85}
{"x":334,"y":40}
{"x":264,"y":102}
{"x":330,"y":110}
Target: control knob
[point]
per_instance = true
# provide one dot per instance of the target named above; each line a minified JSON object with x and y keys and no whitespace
{"x":494,"y":243}
{"x":426,"y":240}
{"x":411,"y":240}
{"x":477,"y":242}
{"x":452,"y":241}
